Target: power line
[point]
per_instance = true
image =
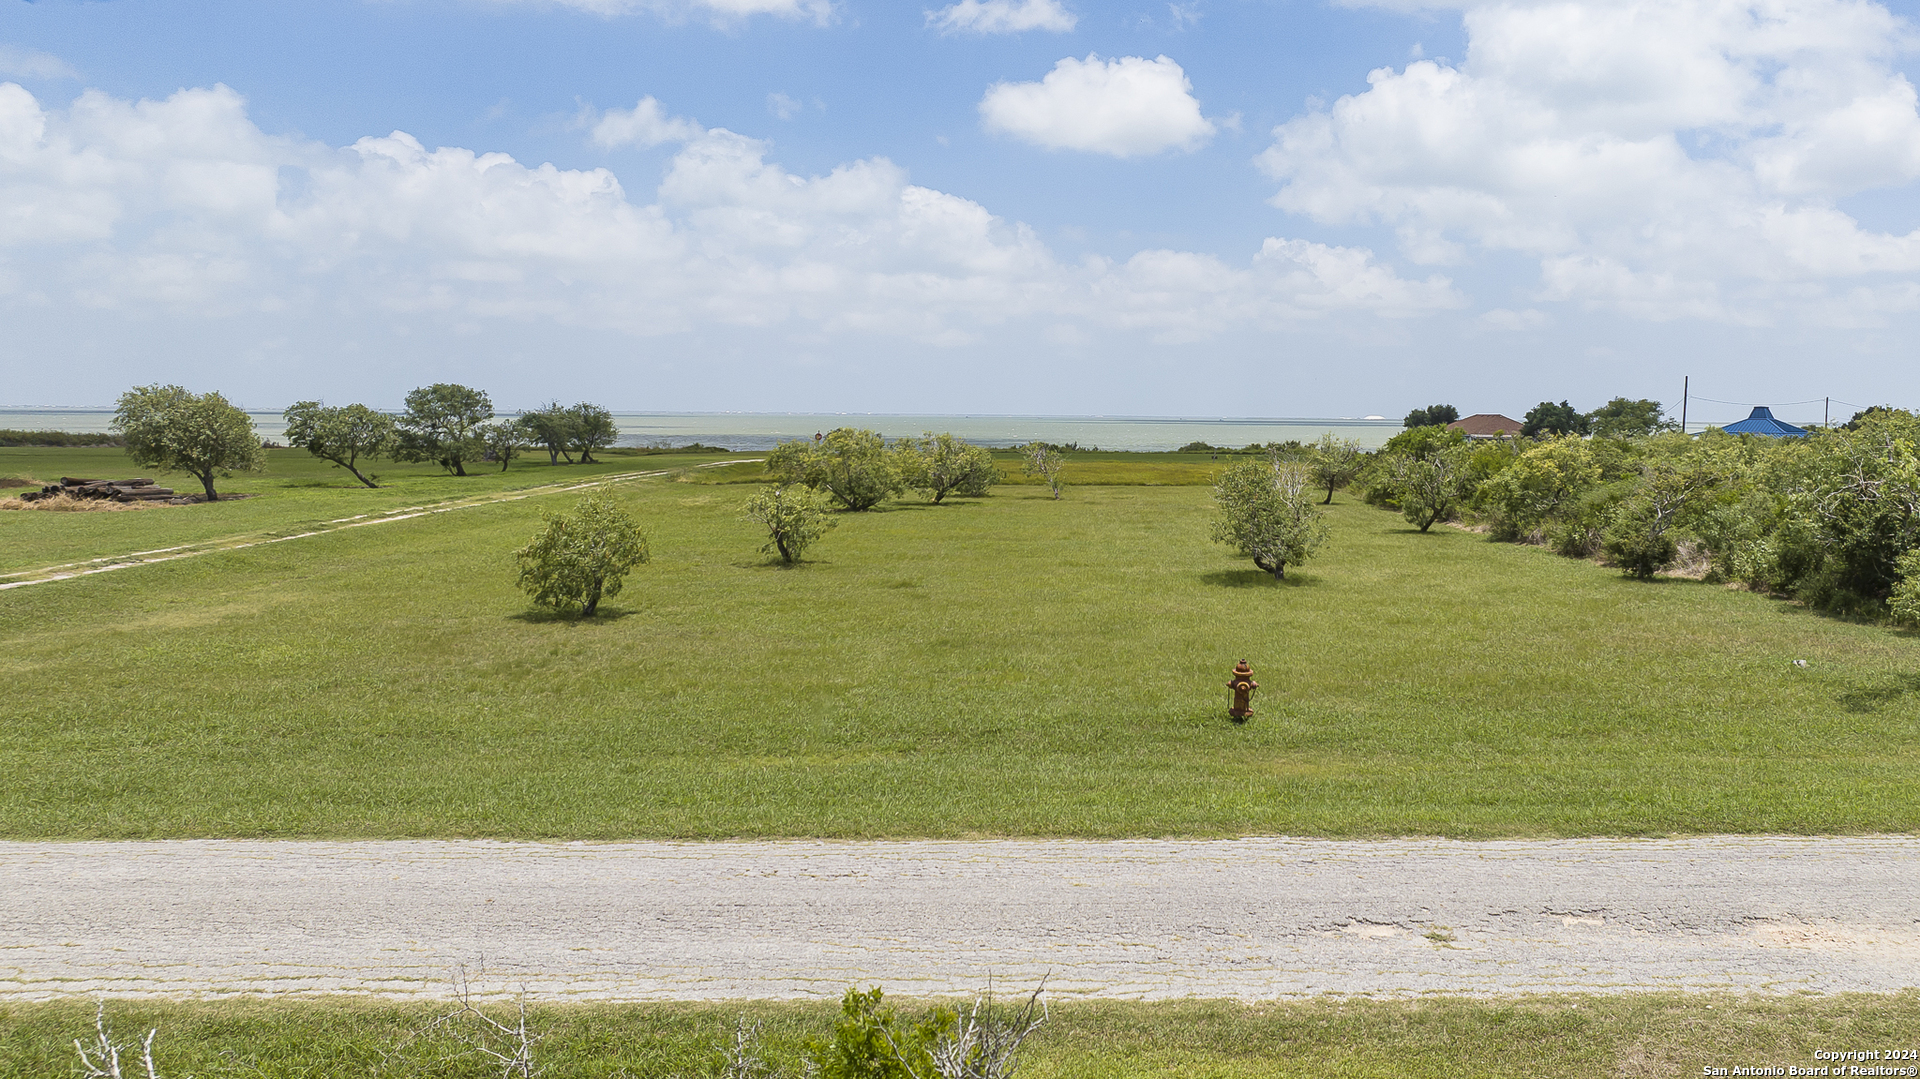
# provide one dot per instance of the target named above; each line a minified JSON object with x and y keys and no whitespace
{"x":1759,"y":404}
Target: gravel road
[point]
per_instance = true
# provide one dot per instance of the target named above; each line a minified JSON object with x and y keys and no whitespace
{"x":1141,"y":919}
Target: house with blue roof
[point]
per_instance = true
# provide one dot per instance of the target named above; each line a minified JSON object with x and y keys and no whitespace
{"x":1762,"y":423}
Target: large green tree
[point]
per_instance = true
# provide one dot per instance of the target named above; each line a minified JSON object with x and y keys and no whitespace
{"x":551,"y":427}
{"x":591,"y":428}
{"x":942,"y":465}
{"x":1266,"y":512}
{"x":1431,"y":416}
{"x":852,"y":465}
{"x":344,"y":435}
{"x":440,"y":426}
{"x":1621,"y":418}
{"x":1547,"y":418}
{"x":199,"y":434}
{"x":579,"y":558}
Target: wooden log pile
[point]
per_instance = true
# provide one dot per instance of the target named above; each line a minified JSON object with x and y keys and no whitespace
{"x":139,"y":489}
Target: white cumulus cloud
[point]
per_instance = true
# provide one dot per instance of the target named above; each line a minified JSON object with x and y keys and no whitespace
{"x":723,"y":11}
{"x":1003,"y":17}
{"x":1126,"y":107}
{"x":1666,"y":158}
{"x":183,"y":208}
{"x":644,"y":125}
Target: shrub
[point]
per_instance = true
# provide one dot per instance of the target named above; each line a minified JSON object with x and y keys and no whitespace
{"x":794,"y":516}
{"x":578,"y":558}
{"x":1266,"y":512}
{"x":942,"y":464}
{"x":850,"y":465}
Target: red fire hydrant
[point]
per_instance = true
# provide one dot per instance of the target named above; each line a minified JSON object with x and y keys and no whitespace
{"x":1243,"y":686}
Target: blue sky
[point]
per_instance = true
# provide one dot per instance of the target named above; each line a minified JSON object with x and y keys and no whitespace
{"x":1227,"y":207}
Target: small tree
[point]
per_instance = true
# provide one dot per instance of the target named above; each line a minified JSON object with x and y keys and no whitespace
{"x":199,"y":434}
{"x":439,"y":425}
{"x":578,"y":558}
{"x":503,"y":439}
{"x":1429,"y":489}
{"x":1335,"y":461}
{"x":1046,"y":462}
{"x":942,"y":464}
{"x":590,"y":428}
{"x":851,"y":465}
{"x":1431,"y":416}
{"x":1547,"y":418}
{"x":342,"y":435}
{"x":1266,"y":512}
{"x":794,"y":516}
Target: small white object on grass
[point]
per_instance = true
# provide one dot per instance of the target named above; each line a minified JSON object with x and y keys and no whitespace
{"x":1799,"y":662}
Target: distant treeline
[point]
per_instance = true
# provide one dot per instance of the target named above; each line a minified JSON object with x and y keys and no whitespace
{"x":10,"y":438}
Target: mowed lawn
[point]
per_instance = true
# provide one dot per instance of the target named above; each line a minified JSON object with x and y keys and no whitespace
{"x":1005,"y":666}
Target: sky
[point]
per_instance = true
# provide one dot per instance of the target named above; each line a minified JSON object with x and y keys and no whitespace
{"x":1012,"y":207}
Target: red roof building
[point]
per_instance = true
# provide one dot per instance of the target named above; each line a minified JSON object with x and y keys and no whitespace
{"x":1486,"y":425}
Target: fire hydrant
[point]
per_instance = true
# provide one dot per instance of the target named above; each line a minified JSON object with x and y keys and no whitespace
{"x":1243,"y":686}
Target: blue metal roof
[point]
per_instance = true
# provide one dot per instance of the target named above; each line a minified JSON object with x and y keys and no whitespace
{"x":1763,"y":423}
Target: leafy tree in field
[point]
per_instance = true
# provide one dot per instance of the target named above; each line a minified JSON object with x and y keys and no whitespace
{"x":1266,"y":512}
{"x":851,"y":465}
{"x":551,"y":427}
{"x":1431,"y":416}
{"x":942,"y":465}
{"x":579,"y":558}
{"x":1335,"y":461}
{"x":1431,"y":489}
{"x":870,"y":1042}
{"x":591,"y":428}
{"x":199,"y":434}
{"x":502,"y":439}
{"x":1621,"y":418}
{"x":439,"y":425}
{"x":1547,"y":418}
{"x":1046,"y":462}
{"x":794,"y":516}
{"x":342,"y":435}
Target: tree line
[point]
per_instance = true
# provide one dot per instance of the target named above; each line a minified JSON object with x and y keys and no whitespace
{"x":451,"y":425}
{"x":1831,"y":519}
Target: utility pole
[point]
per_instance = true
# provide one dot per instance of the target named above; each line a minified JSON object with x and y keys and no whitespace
{"x":1685,"y":385}
{"x":1826,"y":414}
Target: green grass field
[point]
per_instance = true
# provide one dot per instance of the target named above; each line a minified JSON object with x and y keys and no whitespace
{"x":1632,"y":1037}
{"x":1004,"y":666}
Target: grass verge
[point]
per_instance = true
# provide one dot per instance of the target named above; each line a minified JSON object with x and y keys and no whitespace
{"x":1630,"y":1035}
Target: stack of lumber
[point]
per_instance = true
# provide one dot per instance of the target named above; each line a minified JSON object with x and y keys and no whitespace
{"x":134,"y":490}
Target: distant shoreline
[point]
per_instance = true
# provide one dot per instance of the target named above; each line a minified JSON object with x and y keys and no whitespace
{"x":756,"y":431}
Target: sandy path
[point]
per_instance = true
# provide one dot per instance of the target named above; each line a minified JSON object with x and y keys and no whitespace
{"x":1251,"y":918}
{"x":67,"y":571}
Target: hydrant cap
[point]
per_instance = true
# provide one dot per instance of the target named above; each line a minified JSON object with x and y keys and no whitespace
{"x":1243,"y":668}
